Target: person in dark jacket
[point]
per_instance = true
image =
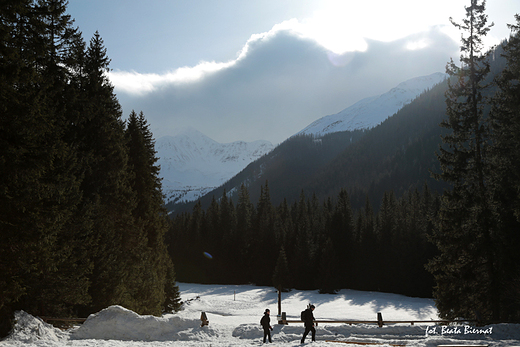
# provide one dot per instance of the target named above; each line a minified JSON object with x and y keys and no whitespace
{"x":309,"y":323}
{"x":265,"y":322}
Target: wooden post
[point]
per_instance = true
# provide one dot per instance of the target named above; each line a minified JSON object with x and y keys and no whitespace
{"x":379,"y":319}
{"x":284,"y":319}
{"x":279,"y":301}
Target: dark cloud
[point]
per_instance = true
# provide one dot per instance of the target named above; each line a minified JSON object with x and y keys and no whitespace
{"x":284,"y":83}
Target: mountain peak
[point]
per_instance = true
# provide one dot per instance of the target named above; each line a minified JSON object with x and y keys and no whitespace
{"x":193,"y":163}
{"x":185,"y":133}
{"x":371,"y":111}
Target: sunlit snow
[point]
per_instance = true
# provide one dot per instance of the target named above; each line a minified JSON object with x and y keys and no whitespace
{"x":371,"y":111}
{"x":234,"y":314}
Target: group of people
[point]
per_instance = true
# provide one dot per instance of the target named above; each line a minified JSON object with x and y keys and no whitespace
{"x":308,"y":321}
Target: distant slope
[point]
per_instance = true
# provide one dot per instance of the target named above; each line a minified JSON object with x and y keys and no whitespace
{"x":193,"y":164}
{"x":395,"y":155}
{"x":369,"y":112}
{"x":296,"y":161}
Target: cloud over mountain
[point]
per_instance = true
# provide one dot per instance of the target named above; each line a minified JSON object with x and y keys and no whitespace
{"x":279,"y":83}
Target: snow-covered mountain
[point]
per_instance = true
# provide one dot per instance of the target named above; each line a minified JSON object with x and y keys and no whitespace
{"x":371,"y":111}
{"x":193,"y":164}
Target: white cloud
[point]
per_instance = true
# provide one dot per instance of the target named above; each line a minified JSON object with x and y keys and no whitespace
{"x":330,"y":35}
{"x":279,"y":83}
{"x":141,"y":84}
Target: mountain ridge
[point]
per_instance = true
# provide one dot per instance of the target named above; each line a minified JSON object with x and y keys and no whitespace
{"x":373,"y":110}
{"x":398,"y":154}
{"x":193,"y":164}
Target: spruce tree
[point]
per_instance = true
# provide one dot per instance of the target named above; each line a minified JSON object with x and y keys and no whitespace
{"x":466,"y":282}
{"x":172,"y":302}
{"x":40,"y":196}
{"x":368,"y":244}
{"x":303,"y":252}
{"x":21,"y":164}
{"x":265,"y":251}
{"x":341,"y":230}
{"x":244,"y":231}
{"x":281,"y":274}
{"x":106,"y":186}
{"x":505,"y":123}
{"x":145,"y":251}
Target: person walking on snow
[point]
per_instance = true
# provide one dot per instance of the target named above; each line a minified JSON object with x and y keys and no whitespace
{"x":265,"y":322}
{"x":308,"y":320}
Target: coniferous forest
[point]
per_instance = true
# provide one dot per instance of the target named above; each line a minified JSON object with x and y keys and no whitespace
{"x":82,"y":217}
{"x":81,"y":209}
{"x":310,"y":244}
{"x":456,"y":242}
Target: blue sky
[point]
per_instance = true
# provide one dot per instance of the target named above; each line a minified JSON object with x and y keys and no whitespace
{"x":265,"y":69}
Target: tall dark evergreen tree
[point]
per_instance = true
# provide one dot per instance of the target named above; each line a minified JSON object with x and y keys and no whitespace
{"x":281,"y":274}
{"x":227,"y":224}
{"x":465,"y":270}
{"x":505,"y":123}
{"x":71,"y":226}
{"x":41,"y":175}
{"x":153,"y":267}
{"x":386,"y":237}
{"x":341,"y":234}
{"x":264,"y":225}
{"x":21,"y":165}
{"x":244,"y":230}
{"x":106,"y":183}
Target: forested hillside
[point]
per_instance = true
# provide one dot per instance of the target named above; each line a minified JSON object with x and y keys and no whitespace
{"x":394,"y":156}
{"x":397,"y":155}
{"x":82,"y":221}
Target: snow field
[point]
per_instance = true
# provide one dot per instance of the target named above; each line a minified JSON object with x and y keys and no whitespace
{"x":234,"y":314}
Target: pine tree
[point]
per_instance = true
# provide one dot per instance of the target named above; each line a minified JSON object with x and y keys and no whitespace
{"x":172,"y":302}
{"x":40,"y":193}
{"x":281,"y":272}
{"x":151,"y":272}
{"x":386,"y":237}
{"x":100,"y":133}
{"x":341,"y":231}
{"x":264,"y":225}
{"x":328,"y":281}
{"x":365,"y":276}
{"x":244,"y":231}
{"x":229,"y":244}
{"x":303,"y":257}
{"x":465,"y":269}
{"x":21,"y":164}
{"x":505,"y":123}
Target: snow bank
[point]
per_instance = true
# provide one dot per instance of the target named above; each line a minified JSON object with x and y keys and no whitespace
{"x":29,"y":329}
{"x":234,"y":313}
{"x":119,"y":323}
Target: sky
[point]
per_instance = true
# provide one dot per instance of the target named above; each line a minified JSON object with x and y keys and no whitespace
{"x":265,"y":69}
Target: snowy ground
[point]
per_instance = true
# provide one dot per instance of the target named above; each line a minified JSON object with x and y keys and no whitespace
{"x":234,"y":314}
